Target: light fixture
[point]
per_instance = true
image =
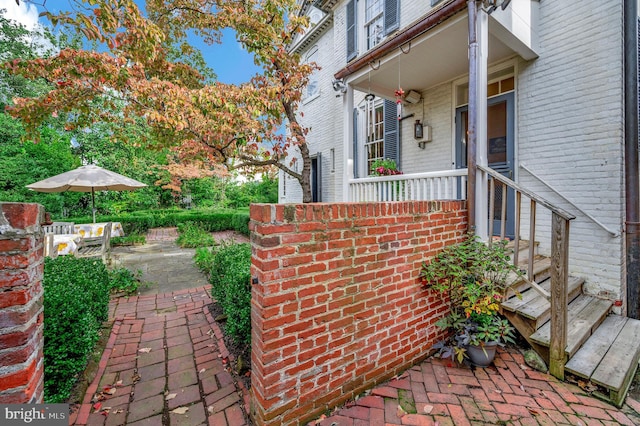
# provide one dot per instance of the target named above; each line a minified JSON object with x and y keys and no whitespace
{"x":417,"y":130}
{"x":339,"y":86}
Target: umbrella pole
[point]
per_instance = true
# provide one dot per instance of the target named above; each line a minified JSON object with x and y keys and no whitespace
{"x":93,"y":204}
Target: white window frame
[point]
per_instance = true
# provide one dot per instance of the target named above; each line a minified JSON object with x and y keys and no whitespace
{"x":377,"y":128}
{"x":374,"y":15}
{"x":312,"y":90}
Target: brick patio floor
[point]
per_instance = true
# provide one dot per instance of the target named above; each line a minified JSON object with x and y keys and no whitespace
{"x":183,"y":364}
{"x":165,"y":353}
{"x":438,"y":392}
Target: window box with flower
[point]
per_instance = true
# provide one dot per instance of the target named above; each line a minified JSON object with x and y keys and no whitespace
{"x":390,"y":190}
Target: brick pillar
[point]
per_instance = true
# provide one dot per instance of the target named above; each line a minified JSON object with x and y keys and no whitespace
{"x":21,"y":311}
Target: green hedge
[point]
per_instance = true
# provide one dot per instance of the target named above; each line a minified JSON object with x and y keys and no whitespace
{"x":230,"y":276}
{"x":209,"y":220}
{"x":76,"y":302}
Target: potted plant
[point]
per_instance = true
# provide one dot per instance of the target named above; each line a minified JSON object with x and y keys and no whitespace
{"x":384,"y":167}
{"x":475,"y":277}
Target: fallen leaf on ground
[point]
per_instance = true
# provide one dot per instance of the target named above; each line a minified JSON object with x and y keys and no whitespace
{"x":587,"y":386}
{"x":135,"y":378}
{"x":428,"y":409}
{"x":97,"y":406}
{"x":202,"y":371}
{"x":170,"y":396}
{"x":401,"y":412}
{"x":119,"y":383}
{"x":144,"y":350}
{"x":523,"y":367}
{"x":109,"y":390}
{"x":210,"y":409}
{"x":534,"y":412}
{"x":118,"y":411}
{"x":180,"y":410}
{"x":497,"y":391}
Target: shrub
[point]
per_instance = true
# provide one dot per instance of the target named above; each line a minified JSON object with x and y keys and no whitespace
{"x":231,"y":287}
{"x":193,"y":235}
{"x":76,"y":301}
{"x":204,"y":259}
{"x":210,"y":220}
{"x":122,"y":280}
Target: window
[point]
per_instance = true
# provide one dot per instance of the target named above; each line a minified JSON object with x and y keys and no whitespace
{"x":374,"y":144}
{"x":381,"y":18}
{"x":374,"y":23}
{"x":313,"y":88}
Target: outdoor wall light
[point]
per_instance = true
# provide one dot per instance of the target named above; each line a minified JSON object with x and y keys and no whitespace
{"x":339,"y":86}
{"x":417,"y":130}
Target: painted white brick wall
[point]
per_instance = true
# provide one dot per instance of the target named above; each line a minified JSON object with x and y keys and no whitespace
{"x":569,"y":127}
{"x":437,"y":154}
{"x":570,"y":130}
{"x":323,"y":115}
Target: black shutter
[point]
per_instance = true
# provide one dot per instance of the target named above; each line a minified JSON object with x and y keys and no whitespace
{"x":356,"y":174}
{"x":352,"y":46}
{"x":391,"y":139}
{"x":391,"y":16}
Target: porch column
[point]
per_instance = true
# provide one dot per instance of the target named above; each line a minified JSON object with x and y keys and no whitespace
{"x":477,"y":139}
{"x":349,"y":161}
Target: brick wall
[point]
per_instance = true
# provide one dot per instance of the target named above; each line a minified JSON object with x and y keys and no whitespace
{"x":337,"y":305}
{"x":21,"y":315}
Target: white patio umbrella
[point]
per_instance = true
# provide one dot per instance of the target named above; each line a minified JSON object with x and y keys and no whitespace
{"x":89,"y":178}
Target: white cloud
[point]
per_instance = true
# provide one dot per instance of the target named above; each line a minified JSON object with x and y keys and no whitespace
{"x":24,"y":13}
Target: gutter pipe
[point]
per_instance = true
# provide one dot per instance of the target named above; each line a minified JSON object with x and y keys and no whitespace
{"x":631,"y":175}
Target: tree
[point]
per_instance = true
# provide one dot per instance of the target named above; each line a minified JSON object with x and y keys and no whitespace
{"x":210,"y":126}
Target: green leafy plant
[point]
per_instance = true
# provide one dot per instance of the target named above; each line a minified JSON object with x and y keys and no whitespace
{"x":384,"y":167}
{"x":76,"y":301}
{"x":475,"y":278}
{"x":193,"y":235}
{"x":122,"y":280}
{"x":230,"y":277}
{"x":129,"y":240}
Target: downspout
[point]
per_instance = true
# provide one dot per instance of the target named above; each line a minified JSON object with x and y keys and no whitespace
{"x":631,"y":176}
{"x":473,"y":102}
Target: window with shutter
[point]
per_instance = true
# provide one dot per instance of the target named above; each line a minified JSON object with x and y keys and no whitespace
{"x":352,"y":39}
{"x":375,"y":132}
{"x":391,"y":134}
{"x":356,"y":162}
{"x":391,"y":16}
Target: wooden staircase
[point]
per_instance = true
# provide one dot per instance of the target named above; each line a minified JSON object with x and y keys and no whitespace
{"x":602,"y":348}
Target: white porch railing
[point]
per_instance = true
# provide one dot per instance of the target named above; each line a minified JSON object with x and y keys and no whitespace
{"x":440,"y":185}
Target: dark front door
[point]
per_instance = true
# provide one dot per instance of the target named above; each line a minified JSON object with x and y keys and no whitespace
{"x":500,"y":147}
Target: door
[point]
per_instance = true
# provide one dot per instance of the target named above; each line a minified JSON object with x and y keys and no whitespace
{"x":316,"y":178}
{"x":500,"y":147}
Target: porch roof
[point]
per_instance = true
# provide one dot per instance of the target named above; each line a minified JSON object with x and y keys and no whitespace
{"x":432,"y":50}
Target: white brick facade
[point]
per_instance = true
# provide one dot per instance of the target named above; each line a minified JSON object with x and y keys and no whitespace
{"x":568,"y":126}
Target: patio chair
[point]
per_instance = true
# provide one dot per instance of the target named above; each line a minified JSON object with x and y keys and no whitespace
{"x":97,"y":246}
{"x":59,"y":228}
{"x":49,"y":249}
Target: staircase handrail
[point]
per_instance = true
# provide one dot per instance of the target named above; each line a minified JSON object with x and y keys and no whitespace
{"x":596,"y":221}
{"x":540,"y":200}
{"x":558,"y":295}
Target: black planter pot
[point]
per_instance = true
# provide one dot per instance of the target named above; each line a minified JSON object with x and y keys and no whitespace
{"x":482,"y":355}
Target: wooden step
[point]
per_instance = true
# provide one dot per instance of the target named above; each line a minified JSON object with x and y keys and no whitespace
{"x":585,"y":313}
{"x":541,"y":272}
{"x":523,"y":249}
{"x":537,"y":308}
{"x":610,"y":356}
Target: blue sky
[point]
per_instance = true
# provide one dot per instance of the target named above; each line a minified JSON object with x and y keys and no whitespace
{"x":231,"y":63}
